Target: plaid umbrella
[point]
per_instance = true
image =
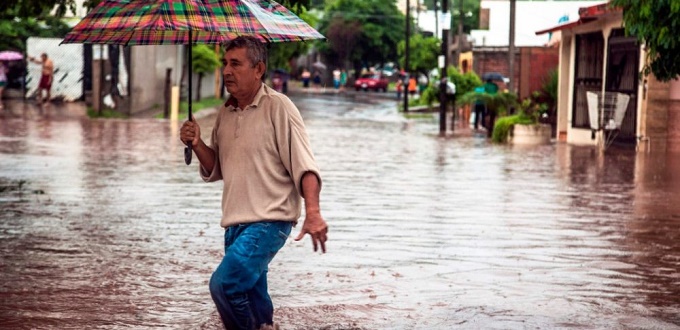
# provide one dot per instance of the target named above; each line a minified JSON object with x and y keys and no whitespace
{"x":188,"y":22}
{"x":164,"y":22}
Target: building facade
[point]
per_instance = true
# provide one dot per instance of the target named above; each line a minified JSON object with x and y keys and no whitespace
{"x":597,"y":56}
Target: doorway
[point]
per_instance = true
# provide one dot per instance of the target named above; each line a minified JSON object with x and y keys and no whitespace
{"x":623,"y":77}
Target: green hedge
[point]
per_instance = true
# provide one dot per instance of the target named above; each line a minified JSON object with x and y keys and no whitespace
{"x":503,"y":126}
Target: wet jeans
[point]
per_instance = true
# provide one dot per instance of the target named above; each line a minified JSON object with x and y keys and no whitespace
{"x":239,"y":284}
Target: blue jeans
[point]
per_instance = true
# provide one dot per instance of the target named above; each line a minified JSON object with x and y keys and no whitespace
{"x":239,"y":284}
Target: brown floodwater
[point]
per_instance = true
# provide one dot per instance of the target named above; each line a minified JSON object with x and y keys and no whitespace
{"x":102,"y":226}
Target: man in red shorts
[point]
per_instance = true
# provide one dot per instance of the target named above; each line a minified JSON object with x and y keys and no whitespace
{"x":45,"y":78}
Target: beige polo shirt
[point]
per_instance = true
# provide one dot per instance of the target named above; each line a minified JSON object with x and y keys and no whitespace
{"x":262,"y":152}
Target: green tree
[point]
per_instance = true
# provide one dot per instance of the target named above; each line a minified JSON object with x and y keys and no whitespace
{"x":13,"y":33}
{"x":378,"y":25}
{"x":317,"y":4}
{"x":465,"y":83}
{"x":39,"y":9}
{"x":345,"y":35}
{"x":26,"y":18}
{"x":470,"y":13}
{"x":203,"y":60}
{"x":656,"y":24}
{"x":280,"y":54}
{"x":423,"y":53}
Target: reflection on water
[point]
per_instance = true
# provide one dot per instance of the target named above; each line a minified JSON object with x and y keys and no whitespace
{"x":103,"y":226}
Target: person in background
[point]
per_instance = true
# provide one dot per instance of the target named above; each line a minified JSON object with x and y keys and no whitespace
{"x":284,"y":85}
{"x":46,"y":77}
{"x":306,"y":77}
{"x":277,"y":82}
{"x":336,"y":78}
{"x":261,"y":151}
{"x":343,"y":80}
{"x":412,"y":85}
{"x":422,"y":83}
{"x":316,"y":79}
{"x":479,"y":108}
{"x":451,"y":96}
{"x":399,"y":86}
{"x":490,"y":88}
{"x":3,"y":81}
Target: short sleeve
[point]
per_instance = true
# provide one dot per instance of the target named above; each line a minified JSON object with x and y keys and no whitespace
{"x":216,"y":173}
{"x":293,"y":143}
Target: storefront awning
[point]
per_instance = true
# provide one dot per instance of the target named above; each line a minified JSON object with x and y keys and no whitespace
{"x":586,"y":15}
{"x":567,"y":25}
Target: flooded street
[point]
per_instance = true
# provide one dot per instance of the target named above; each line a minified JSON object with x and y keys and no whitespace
{"x":102,"y":226}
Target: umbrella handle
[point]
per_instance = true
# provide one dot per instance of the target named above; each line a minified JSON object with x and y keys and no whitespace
{"x":187,"y":150}
{"x":187,"y":154}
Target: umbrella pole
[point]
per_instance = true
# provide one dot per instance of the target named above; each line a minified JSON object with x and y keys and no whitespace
{"x":187,"y":150}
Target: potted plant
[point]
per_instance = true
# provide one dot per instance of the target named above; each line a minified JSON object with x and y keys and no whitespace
{"x":524,"y":127}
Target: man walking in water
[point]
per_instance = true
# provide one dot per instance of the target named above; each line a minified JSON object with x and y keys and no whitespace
{"x":46,"y":77}
{"x":260,"y":149}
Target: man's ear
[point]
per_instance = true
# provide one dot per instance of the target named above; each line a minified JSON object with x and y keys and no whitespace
{"x":260,"y":69}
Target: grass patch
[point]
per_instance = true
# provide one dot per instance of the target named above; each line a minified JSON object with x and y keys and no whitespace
{"x":414,"y":102}
{"x":417,"y":115}
{"x":196,"y":106}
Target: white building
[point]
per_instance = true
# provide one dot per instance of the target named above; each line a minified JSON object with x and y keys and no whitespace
{"x":530,"y":16}
{"x":427,"y":21}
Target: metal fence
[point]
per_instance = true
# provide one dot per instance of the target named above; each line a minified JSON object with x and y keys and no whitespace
{"x":73,"y":69}
{"x":68,"y":68}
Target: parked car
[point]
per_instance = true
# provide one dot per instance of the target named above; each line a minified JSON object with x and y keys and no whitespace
{"x":371,"y":81}
{"x":388,"y":70}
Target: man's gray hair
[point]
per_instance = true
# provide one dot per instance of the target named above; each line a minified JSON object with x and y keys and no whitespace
{"x":255,"y":49}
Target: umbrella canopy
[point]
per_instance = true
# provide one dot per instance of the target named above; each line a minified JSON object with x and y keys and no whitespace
{"x":9,"y":55}
{"x":163,"y":22}
{"x":188,"y":22}
{"x":493,"y":76}
{"x":319,"y":65}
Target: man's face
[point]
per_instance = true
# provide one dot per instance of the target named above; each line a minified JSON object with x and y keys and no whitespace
{"x":43,"y":57}
{"x":241,"y":76}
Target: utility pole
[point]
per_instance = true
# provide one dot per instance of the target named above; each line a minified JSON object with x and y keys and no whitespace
{"x":443,"y":97}
{"x":406,"y":53}
{"x":459,"y":49}
{"x":436,"y":18}
{"x":100,"y":92}
{"x":511,"y":47}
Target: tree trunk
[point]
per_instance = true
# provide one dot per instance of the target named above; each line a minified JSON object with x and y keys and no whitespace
{"x":511,"y":48}
{"x":459,"y":49}
{"x":198,"y":87}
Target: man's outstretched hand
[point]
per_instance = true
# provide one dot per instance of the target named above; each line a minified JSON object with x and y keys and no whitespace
{"x":316,"y":227}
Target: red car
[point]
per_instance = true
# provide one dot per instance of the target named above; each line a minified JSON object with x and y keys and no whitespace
{"x":371,"y":81}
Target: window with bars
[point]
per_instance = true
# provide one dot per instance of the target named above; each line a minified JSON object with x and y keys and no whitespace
{"x":587,"y":75}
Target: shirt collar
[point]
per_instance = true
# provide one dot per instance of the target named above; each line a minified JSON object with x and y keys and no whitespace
{"x":232,"y":104}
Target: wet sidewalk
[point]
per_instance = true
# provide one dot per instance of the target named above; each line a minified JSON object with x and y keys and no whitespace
{"x":104,"y":227}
